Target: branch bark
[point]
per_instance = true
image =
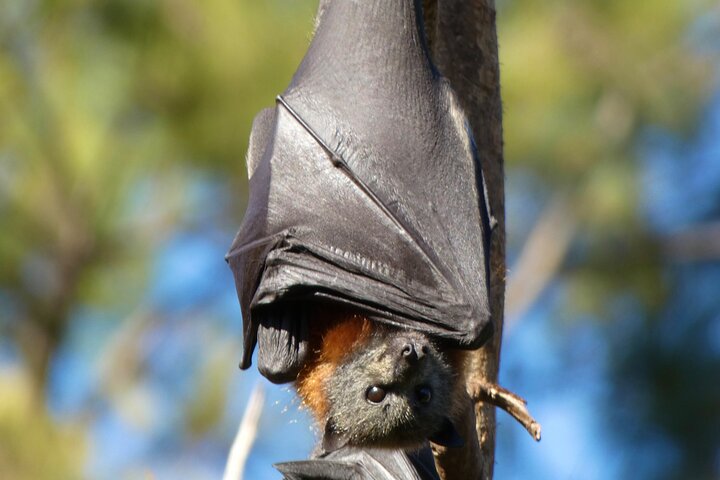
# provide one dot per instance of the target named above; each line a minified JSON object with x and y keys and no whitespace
{"x":513,"y":404}
{"x":463,"y":37}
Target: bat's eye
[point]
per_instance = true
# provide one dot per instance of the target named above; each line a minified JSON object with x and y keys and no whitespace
{"x":424,"y":394}
{"x":375,"y":394}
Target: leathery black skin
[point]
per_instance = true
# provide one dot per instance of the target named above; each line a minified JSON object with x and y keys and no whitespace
{"x":365,"y":191}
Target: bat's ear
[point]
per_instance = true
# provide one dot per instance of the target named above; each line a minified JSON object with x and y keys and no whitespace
{"x":447,"y":436}
{"x":332,"y":439}
{"x":260,"y":136}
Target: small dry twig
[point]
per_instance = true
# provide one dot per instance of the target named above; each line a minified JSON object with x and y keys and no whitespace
{"x":513,"y":404}
{"x":540,"y":259}
{"x":245,"y":436}
{"x":697,"y":243}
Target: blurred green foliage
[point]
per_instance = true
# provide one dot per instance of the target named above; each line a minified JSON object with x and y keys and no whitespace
{"x":109,"y":110}
{"x":31,"y":444}
{"x":581,"y":80}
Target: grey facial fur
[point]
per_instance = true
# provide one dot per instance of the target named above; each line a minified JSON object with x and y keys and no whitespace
{"x":416,"y":380}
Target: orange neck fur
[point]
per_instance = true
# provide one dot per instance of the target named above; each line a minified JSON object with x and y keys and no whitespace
{"x":339,"y":336}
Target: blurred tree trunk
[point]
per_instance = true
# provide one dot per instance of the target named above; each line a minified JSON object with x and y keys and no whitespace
{"x":41,"y":333}
{"x":463,"y":40}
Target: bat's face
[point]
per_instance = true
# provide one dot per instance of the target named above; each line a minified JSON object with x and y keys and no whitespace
{"x":393,"y":391}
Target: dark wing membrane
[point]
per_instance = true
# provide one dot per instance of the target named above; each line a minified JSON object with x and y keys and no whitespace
{"x":322,"y":470}
{"x":311,"y":229}
{"x":364,"y":464}
{"x":365,"y":190}
{"x":260,"y":136}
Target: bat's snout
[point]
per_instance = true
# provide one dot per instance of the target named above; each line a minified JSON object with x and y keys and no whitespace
{"x":411,"y":349}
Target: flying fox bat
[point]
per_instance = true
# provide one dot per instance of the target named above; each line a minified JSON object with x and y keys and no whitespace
{"x":365,"y":192}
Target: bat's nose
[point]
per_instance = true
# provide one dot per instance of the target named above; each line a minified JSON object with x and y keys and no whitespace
{"x":412,"y":350}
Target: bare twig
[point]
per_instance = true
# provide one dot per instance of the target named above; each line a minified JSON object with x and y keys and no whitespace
{"x":513,"y":404}
{"x":121,"y":361}
{"x":697,"y":243}
{"x":245,"y":436}
{"x":540,"y":258}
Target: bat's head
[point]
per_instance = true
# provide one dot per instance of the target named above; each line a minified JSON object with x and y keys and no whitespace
{"x":395,"y":389}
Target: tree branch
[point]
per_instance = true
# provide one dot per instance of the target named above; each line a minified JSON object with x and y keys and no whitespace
{"x":465,"y":50}
{"x":245,"y":436}
{"x":696,"y":243}
{"x":453,"y":462}
{"x":513,"y":404}
{"x":541,"y":257}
